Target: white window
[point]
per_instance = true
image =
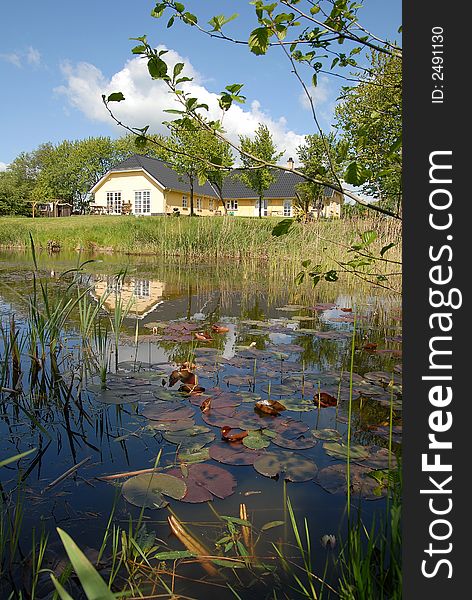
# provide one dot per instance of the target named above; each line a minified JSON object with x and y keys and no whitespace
{"x":114,"y":203}
{"x":142,"y":288}
{"x":287,"y":208}
{"x":232,"y":204}
{"x":184,"y":202}
{"x":142,"y":202}
{"x":211,"y":205}
{"x":199,"y":204}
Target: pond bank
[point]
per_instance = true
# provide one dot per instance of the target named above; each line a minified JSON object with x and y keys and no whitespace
{"x":202,"y":237}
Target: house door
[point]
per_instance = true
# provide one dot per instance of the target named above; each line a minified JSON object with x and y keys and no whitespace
{"x":264,"y":208}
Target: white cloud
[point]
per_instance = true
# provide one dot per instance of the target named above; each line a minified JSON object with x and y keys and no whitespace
{"x":323,"y":99}
{"x":33,"y":56}
{"x":3,"y":166}
{"x":146,"y":100}
{"x":11,"y":57}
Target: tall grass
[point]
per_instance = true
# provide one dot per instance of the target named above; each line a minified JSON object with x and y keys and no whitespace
{"x":196,"y":237}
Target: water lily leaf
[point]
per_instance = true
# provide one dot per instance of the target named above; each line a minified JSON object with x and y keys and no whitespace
{"x":301,"y":441}
{"x":239,"y":380}
{"x":191,"y":455}
{"x":115,"y":397}
{"x":162,"y":413}
{"x":205,"y":482}
{"x":298,"y":404}
{"x":333,"y":479}
{"x":289,"y":427}
{"x":168,"y":426}
{"x":256,"y":440}
{"x":148,"y":490}
{"x":326,"y":434}
{"x":233,"y":453}
{"x":270,"y":407}
{"x":219,"y":399}
{"x":337,"y":450}
{"x":378,"y":458}
{"x":193,"y":437}
{"x":294,"y":466}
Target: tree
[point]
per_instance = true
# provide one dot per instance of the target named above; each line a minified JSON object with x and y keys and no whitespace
{"x":370,"y":117}
{"x":17,"y":184}
{"x":219,"y":156}
{"x":324,"y":36}
{"x":322,"y":157}
{"x":257,"y":175}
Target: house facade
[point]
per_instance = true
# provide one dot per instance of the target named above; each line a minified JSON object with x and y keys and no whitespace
{"x":145,"y":186}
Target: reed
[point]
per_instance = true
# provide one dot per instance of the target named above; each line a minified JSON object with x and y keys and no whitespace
{"x":198,"y":237}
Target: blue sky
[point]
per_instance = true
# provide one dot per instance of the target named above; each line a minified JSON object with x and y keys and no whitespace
{"x":57,"y":57}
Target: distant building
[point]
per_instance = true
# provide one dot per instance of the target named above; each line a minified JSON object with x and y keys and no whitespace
{"x":151,"y":187}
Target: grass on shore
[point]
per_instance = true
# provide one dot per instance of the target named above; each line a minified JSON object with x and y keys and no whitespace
{"x":194,"y":238}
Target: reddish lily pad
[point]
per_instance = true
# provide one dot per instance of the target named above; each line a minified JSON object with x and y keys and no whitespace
{"x":204,"y":482}
{"x":233,"y":453}
{"x":160,"y":412}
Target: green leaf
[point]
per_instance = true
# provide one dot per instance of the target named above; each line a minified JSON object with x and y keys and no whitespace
{"x":115,"y":97}
{"x":237,"y":521}
{"x":7,"y":461}
{"x":368,"y":237}
{"x":300,"y":278}
{"x":179,"y":7}
{"x":259,"y":40}
{"x":138,"y":50}
{"x":387,"y":247}
{"x":331,"y":275}
{"x":170,"y":22}
{"x":356,"y":174}
{"x":93,"y":585}
{"x":306,"y":263}
{"x":272,"y":524}
{"x":178,"y":68}
{"x":157,"y":67}
{"x":63,"y":594}
{"x":176,"y":554}
{"x":282,"y":227}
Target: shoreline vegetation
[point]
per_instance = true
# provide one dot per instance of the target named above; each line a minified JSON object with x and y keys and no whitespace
{"x":195,"y":238}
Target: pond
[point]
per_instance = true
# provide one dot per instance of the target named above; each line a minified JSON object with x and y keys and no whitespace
{"x":228,"y":384}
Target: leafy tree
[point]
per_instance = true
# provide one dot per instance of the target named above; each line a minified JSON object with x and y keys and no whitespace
{"x":322,"y":157}
{"x":17,"y":183}
{"x":370,"y":117}
{"x":257,"y":175}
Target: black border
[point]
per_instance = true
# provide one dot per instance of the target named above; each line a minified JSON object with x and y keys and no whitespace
{"x":429,"y":127}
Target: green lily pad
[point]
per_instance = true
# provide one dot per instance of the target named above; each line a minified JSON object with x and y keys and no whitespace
{"x":193,"y":437}
{"x":326,"y":434}
{"x":256,"y":440}
{"x":191,"y":455}
{"x":167,"y":412}
{"x":298,"y":404}
{"x":294,"y":466}
{"x":148,"y":490}
{"x":337,"y":450}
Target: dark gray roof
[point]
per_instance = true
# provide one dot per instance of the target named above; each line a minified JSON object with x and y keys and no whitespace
{"x":282,"y":187}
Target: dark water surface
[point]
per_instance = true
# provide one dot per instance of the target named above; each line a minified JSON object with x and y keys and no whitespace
{"x":283,"y":342}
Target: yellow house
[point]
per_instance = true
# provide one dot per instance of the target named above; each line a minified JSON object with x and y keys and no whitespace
{"x":151,"y":187}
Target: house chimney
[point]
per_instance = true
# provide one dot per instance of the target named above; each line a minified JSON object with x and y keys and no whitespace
{"x":290,"y":164}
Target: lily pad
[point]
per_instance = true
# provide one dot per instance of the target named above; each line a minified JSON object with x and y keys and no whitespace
{"x":256,"y":440}
{"x":298,"y":404}
{"x":326,"y":434}
{"x":233,"y":453}
{"x":294,"y":466}
{"x":333,"y":479}
{"x":204,"y":482}
{"x":379,"y":459}
{"x":302,"y":441}
{"x":148,"y":490}
{"x":193,"y":455}
{"x":337,"y":450}
{"x":196,"y":436}
{"x":160,"y":412}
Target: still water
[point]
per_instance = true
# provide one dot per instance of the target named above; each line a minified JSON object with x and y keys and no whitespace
{"x":274,"y":341}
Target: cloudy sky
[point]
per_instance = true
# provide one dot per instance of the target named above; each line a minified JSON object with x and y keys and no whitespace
{"x":57,"y":58}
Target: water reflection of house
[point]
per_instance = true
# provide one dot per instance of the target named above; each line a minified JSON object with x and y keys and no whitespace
{"x":141,"y":295}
